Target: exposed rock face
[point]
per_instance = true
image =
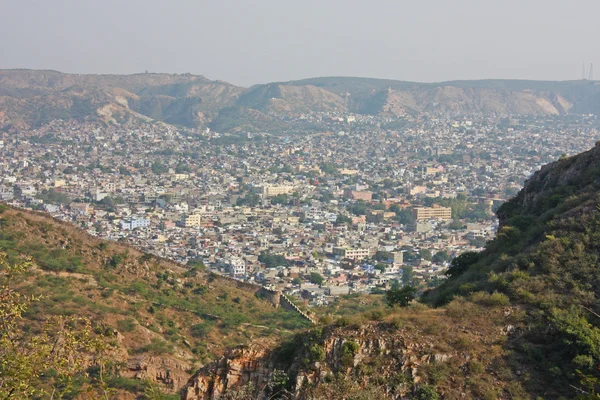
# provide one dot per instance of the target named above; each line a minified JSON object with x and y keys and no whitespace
{"x":167,"y":371}
{"x":237,"y":368}
{"x":350,"y":356}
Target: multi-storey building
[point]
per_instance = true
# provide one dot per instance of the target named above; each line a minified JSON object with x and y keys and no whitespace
{"x":355,"y":254}
{"x":134,"y":223}
{"x":192,"y":220}
{"x":270,"y":191}
{"x":435,"y":212}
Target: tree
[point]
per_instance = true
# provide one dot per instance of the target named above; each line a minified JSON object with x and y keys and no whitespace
{"x":398,"y":296}
{"x":62,"y":345}
{"x":456,"y":225}
{"x":461,"y":263}
{"x":251,"y":199}
{"x":53,"y":197}
{"x":425,"y":254}
{"x":271,"y":260}
{"x":405,"y":217}
{"x":477,"y":242}
{"x":360,"y":208}
{"x":441,"y":257}
{"x":343,"y":219}
{"x":316,"y":278}
{"x":382,"y":255}
{"x":158,"y":168}
{"x":407,"y":275}
{"x":280,"y":199}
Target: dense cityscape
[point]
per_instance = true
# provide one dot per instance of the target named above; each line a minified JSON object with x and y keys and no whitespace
{"x":350,"y":206}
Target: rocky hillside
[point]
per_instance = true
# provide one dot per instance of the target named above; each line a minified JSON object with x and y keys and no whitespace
{"x":30,"y":98}
{"x":167,"y":319}
{"x":413,"y":353}
{"x":394,"y":98}
{"x":519,"y":320}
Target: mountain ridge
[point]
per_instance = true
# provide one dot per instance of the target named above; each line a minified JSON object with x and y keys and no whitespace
{"x":31,"y":98}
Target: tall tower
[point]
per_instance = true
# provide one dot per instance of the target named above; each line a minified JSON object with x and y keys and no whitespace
{"x":591,"y":74}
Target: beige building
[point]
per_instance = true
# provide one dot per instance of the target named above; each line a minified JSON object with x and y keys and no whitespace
{"x":358,"y":194}
{"x":417,"y":190}
{"x":270,"y":191}
{"x":355,"y":254}
{"x":425,"y":213}
{"x":192,"y":220}
{"x":82,"y":208}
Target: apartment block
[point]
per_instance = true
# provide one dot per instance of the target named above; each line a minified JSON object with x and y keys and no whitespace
{"x":435,"y":212}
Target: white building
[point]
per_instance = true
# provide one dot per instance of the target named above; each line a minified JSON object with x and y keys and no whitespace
{"x":134,"y":223}
{"x":236,"y":266}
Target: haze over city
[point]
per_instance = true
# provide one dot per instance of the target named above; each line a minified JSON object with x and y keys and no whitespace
{"x":246,"y":43}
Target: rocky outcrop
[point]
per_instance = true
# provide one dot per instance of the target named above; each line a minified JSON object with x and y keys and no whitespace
{"x":169,"y":372}
{"x":238,"y":368}
{"x":346,"y":352}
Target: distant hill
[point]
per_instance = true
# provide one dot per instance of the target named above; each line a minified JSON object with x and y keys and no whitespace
{"x":166,"y":318}
{"x":30,"y":98}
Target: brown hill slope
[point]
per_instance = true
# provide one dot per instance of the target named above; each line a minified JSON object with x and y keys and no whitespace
{"x":168,"y":319}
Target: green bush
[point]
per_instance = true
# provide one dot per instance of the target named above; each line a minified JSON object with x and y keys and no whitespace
{"x":426,"y":392}
{"x":583,"y":362}
{"x":201,"y":330}
{"x":490,"y":300}
{"x":350,"y":348}
{"x":376,"y":315}
{"x":475,"y":367}
{"x":128,"y":384}
{"x":317,"y":352}
{"x":157,"y":347}
{"x":126,"y":325}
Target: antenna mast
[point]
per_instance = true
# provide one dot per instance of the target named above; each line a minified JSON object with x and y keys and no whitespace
{"x":591,"y":76}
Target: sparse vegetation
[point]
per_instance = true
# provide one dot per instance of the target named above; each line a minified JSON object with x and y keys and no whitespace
{"x":80,"y":276}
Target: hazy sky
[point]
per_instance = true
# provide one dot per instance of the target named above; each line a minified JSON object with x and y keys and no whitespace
{"x":247,"y":42}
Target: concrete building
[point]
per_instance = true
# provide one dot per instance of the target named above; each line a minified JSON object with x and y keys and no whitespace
{"x":435,"y":212}
{"x":422,"y":227}
{"x":236,"y":266}
{"x":134,"y":223}
{"x":82,"y":208}
{"x":358,"y":194}
{"x":271,"y":191}
{"x":6,"y":193}
{"x":398,"y":258}
{"x":191,"y":220}
{"x":355,"y":254}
